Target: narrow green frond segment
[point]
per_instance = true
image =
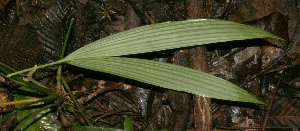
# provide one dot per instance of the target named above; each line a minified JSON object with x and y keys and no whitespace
{"x":170,"y":35}
{"x":167,"y":76}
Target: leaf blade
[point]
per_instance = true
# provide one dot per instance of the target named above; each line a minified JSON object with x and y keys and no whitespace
{"x":170,"y":35}
{"x":167,"y":76}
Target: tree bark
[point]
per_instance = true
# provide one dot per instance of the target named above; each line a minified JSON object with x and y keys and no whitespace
{"x":181,"y":102}
{"x":202,"y":105}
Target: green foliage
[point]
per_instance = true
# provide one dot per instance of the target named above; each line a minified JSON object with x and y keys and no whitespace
{"x":33,"y":118}
{"x":107,"y":55}
{"x":104,"y":56}
{"x":101,"y":55}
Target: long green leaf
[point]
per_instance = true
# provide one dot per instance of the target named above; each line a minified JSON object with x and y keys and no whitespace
{"x":168,"y":76}
{"x":169,"y":35}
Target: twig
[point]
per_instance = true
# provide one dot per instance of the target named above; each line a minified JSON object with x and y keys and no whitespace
{"x":271,"y":104}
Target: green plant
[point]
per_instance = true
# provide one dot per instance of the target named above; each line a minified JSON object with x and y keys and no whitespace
{"x":109,"y":55}
{"x":105,"y":55}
